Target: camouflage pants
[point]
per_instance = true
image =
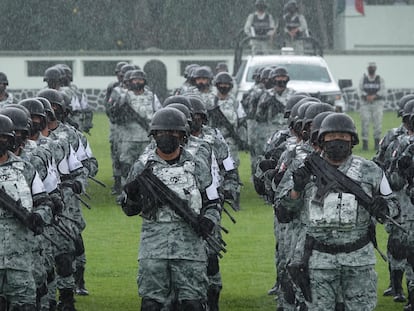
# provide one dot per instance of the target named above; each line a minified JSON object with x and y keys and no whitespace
{"x":18,"y":286}
{"x":115,"y":141}
{"x":371,"y":112}
{"x":157,"y":278}
{"x":358,"y":286}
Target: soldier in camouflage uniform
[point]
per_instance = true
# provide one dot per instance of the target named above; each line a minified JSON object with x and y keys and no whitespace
{"x":189,"y":81}
{"x":133,"y":113}
{"x":261,"y":25}
{"x":225,"y":178}
{"x":21,"y":182}
{"x":202,"y":77}
{"x":81,"y":112}
{"x":372,"y":94}
{"x":399,"y":158}
{"x":228,"y":115}
{"x":112,"y":97}
{"x":249,"y":104}
{"x":72,"y":184}
{"x":5,"y":97}
{"x":338,"y":253}
{"x":186,"y":255}
{"x":28,"y":151}
{"x":270,"y":109}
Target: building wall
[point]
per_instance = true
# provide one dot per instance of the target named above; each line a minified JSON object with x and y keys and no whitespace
{"x":383,"y":27}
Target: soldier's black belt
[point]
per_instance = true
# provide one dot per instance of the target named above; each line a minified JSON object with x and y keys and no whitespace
{"x":335,"y":249}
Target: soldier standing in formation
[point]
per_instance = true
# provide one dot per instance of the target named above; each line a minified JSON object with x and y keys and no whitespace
{"x":372,"y":94}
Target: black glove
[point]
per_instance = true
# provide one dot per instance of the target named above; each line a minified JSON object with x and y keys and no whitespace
{"x":76,"y":187}
{"x":404,"y":162}
{"x":58,"y":205}
{"x":36,"y":223}
{"x":379,"y":208}
{"x":206,"y":226}
{"x":300,"y":178}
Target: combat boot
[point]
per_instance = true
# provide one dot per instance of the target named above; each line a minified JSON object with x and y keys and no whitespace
{"x":365,"y":145}
{"x":410,"y":304}
{"x":213,"y":296}
{"x":80,"y":282}
{"x":66,"y":300}
{"x":397,"y":286}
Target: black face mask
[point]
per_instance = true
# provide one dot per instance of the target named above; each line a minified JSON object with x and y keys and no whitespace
{"x":136,"y":86}
{"x":2,"y":88}
{"x":196,"y":126}
{"x":36,"y":127}
{"x":3,"y":149}
{"x":167,"y":143}
{"x":337,"y":150}
{"x":281,"y":83}
{"x":224,"y":89}
{"x":371,"y":72}
{"x":20,"y":141}
{"x":269,"y":84}
{"x":202,"y":87}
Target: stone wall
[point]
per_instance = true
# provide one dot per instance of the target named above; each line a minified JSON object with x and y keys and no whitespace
{"x":96,"y":96}
{"x":391,"y":102}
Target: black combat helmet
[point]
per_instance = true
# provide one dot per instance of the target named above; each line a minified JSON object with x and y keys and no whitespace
{"x":338,"y":122}
{"x":202,"y":72}
{"x":50,"y":113}
{"x":52,"y":74}
{"x":35,"y":108}
{"x":314,"y":110}
{"x":316,"y":124}
{"x":403,"y":100}
{"x":168,"y":119}
{"x":223,"y":77}
{"x":137,"y":74}
{"x":19,"y":118}
{"x":118,"y":66}
{"x":180,"y":99}
{"x":6,"y":129}
{"x":3,"y":78}
{"x":291,"y":102}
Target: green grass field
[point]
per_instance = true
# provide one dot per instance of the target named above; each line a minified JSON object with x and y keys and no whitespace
{"x":111,"y":241}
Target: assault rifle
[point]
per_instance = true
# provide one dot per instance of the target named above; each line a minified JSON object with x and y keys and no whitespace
{"x":23,"y":215}
{"x":131,"y":113}
{"x":328,"y":177}
{"x":219,"y":119}
{"x":15,"y":207}
{"x":155,"y":186}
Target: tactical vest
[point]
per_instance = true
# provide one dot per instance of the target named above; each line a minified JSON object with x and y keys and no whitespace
{"x":261,"y":26}
{"x":292,"y":22}
{"x":371,"y":87}
{"x":339,"y":210}
{"x":181,"y":180}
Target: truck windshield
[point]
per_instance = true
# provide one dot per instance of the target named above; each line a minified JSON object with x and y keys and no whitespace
{"x":299,"y":72}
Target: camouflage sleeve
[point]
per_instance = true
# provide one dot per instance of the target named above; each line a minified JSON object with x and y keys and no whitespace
{"x":42,"y":204}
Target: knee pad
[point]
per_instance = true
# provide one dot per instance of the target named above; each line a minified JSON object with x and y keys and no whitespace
{"x":148,"y":304}
{"x":64,"y":264}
